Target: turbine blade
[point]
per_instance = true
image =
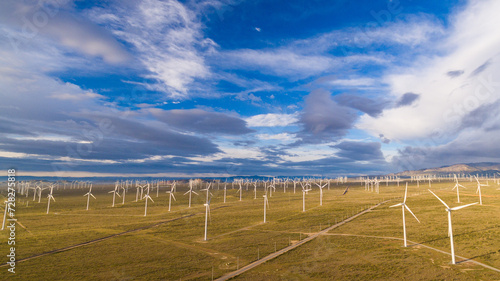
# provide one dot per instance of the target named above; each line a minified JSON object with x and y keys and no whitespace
{"x":92,"y":195}
{"x":195,"y":193}
{"x":399,"y":204}
{"x":438,"y":198}
{"x":463,"y":206}
{"x":186,"y":193}
{"x":407,"y":208}
{"x":173,"y":196}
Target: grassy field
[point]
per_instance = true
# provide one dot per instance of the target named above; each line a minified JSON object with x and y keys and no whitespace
{"x":171,"y":246}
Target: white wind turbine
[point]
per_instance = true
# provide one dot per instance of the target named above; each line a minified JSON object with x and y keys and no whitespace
{"x":304,"y":191}
{"x":115,"y":192}
{"x":450,"y":229}
{"x":146,"y":197}
{"x":171,"y":195}
{"x":38,"y":186}
{"x":240,"y":190}
{"x":50,"y":197}
{"x":457,"y":186}
{"x":137,"y":186}
{"x":207,"y":190}
{"x":479,"y":190}
{"x":190,"y":191}
{"x":225,"y":185}
{"x":254,"y":189}
{"x":40,"y":193}
{"x":403,"y":206}
{"x":207,"y":215}
{"x":124,"y":187}
{"x":174,"y":186}
{"x":266,"y":204}
{"x":157,"y":188}
{"x":88,"y":194}
{"x":321,"y":192}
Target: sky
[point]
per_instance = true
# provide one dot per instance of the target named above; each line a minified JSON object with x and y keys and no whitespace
{"x":217,"y":88}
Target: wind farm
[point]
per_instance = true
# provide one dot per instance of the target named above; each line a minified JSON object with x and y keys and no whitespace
{"x":216,"y":237}
{"x":250,"y":140}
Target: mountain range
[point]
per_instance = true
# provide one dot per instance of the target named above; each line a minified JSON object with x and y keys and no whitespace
{"x":469,"y":168}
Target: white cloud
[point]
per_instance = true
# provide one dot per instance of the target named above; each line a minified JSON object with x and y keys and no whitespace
{"x":445,"y":100}
{"x":411,"y":32}
{"x":272,"y":120}
{"x":308,"y":153}
{"x":354,"y":82}
{"x":53,"y":21}
{"x":244,"y":153}
{"x":283,"y":137}
{"x":168,"y":39}
{"x":280,"y":61}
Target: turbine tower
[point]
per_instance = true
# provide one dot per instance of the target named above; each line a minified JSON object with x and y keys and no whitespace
{"x":450,"y":229}
{"x":403,"y":207}
{"x":88,"y":194}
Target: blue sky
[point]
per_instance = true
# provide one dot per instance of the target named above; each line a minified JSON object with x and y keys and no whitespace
{"x":223,"y":87}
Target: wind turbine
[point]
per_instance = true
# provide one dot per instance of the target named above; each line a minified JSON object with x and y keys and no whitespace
{"x":225,"y":185}
{"x":50,"y":197}
{"x":124,"y":191}
{"x":304,"y":191}
{"x":240,"y":190}
{"x":479,"y":190}
{"x":115,"y":192}
{"x":403,"y":206}
{"x":321,"y":192}
{"x":207,"y":214}
{"x":137,"y":186}
{"x":88,"y":194}
{"x":38,"y":186}
{"x":40,"y":193}
{"x":207,"y":190}
{"x":146,"y":197}
{"x":171,"y":195}
{"x":450,"y":229}
{"x":254,"y":189}
{"x":190,"y":191}
{"x":266,"y":204}
{"x":457,"y":186}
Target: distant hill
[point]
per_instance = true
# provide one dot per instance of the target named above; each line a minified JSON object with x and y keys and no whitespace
{"x":470,"y":168}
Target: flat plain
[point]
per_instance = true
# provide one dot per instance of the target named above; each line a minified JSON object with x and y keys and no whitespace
{"x":120,"y":243}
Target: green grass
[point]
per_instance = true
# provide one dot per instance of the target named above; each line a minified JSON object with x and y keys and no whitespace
{"x":175,"y":249}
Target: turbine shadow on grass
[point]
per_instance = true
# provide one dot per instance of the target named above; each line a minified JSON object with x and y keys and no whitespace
{"x":479,"y":256}
{"x":456,"y":235}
